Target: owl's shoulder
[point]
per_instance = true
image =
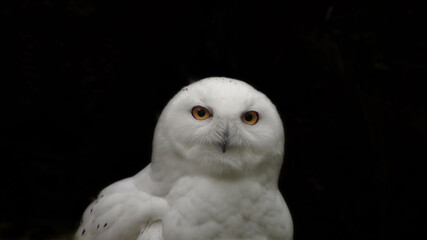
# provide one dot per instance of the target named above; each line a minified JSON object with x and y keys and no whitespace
{"x":121,"y":211}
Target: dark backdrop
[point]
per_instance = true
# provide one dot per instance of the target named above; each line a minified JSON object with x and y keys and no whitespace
{"x":83,"y":82}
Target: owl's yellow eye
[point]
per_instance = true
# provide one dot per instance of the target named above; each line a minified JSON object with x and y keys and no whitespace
{"x":250,"y":117}
{"x":200,"y":113}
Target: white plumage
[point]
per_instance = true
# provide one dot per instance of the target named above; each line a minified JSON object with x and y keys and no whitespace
{"x":217,"y":153}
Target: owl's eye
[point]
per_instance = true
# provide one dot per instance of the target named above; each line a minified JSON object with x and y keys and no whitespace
{"x":200,"y":113}
{"x":250,"y":117}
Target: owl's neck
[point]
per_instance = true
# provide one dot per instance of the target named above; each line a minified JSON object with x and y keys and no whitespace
{"x":161,"y":174}
{"x":158,"y":178}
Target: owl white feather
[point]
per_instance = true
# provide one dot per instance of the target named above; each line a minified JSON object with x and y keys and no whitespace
{"x":217,"y":152}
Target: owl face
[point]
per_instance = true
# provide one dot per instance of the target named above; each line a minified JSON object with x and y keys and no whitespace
{"x":222,"y":125}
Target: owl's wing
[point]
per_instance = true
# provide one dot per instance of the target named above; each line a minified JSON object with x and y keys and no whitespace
{"x":121,"y":212}
{"x":152,"y":232}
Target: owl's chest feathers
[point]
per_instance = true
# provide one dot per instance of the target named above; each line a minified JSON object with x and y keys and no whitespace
{"x":219,"y":209}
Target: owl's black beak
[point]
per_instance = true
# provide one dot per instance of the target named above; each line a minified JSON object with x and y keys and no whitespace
{"x":224,"y":142}
{"x":223,"y":146}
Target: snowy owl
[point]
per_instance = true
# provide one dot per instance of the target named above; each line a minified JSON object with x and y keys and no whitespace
{"x":217,"y":152}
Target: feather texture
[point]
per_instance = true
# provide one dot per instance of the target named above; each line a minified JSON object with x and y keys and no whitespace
{"x":213,"y":176}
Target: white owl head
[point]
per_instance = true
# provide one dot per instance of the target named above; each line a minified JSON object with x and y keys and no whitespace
{"x":219,"y":126}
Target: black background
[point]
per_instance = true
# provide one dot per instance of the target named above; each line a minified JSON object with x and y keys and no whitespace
{"x":84,"y":81}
